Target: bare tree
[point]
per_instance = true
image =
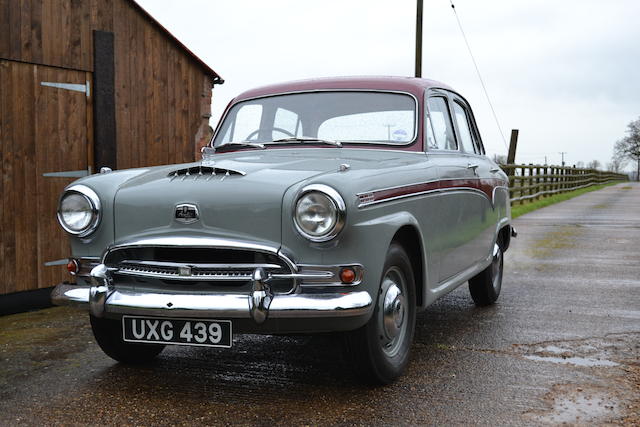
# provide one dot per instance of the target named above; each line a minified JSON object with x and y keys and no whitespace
{"x":594,"y":164}
{"x":629,"y":146}
{"x":580,"y":165}
{"x":617,"y":163}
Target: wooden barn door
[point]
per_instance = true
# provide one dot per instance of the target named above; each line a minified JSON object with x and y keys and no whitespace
{"x":45,"y":128}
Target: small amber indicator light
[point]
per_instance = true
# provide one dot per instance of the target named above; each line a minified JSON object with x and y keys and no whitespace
{"x":347,"y":275}
{"x":72,"y":267}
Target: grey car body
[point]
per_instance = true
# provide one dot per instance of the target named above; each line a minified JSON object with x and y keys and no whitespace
{"x":233,"y":213}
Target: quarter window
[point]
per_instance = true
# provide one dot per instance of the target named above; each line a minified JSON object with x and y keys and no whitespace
{"x":440,"y":134}
{"x":462,"y":121}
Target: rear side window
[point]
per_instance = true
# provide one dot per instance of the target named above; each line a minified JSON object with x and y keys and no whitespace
{"x":462,"y":120}
{"x":440,"y":134}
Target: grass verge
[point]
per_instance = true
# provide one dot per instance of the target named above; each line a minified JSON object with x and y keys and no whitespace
{"x":518,"y":210}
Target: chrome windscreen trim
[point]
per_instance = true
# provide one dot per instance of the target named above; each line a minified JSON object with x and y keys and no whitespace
{"x":296,"y":92}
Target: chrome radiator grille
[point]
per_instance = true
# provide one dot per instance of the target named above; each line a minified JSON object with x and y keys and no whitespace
{"x":185,"y":271}
{"x":191,"y":266}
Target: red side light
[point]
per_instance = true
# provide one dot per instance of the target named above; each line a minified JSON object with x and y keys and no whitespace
{"x":347,"y":275}
{"x":73,"y":267}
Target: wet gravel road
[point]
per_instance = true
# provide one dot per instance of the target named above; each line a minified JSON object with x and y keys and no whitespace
{"x":561,"y":345}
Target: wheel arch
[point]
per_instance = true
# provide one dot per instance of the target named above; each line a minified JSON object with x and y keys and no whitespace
{"x":504,"y":237}
{"x":409,"y":238}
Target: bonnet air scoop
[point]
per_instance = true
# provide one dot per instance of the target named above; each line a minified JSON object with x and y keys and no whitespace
{"x":204,"y":172}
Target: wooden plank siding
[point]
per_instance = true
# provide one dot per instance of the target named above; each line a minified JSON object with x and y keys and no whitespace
{"x":161,"y":90}
{"x":162,"y":105}
{"x":160,"y":94}
{"x":44,"y":129}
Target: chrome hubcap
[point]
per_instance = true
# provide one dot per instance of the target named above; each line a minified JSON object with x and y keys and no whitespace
{"x":393,"y":309}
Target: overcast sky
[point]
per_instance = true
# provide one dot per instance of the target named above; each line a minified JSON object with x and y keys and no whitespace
{"x":566,"y":73}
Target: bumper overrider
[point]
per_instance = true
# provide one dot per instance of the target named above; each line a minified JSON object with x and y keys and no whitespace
{"x":318,"y":293}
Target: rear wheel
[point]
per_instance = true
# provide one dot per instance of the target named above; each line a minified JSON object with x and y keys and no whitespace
{"x":108,"y":334}
{"x":379,"y":351}
{"x":485,"y":286}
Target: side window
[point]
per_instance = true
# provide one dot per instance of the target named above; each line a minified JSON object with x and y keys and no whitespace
{"x":289,"y":122}
{"x":396,"y":127}
{"x":439,"y":128}
{"x":462,"y":120}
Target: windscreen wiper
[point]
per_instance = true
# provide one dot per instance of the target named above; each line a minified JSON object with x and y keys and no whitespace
{"x":239,"y":144}
{"x":309,"y":139}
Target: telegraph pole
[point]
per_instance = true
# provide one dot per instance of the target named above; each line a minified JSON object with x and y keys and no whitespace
{"x":562,"y":153}
{"x":418,"y":71}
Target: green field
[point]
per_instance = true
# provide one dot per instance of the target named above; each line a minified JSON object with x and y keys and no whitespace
{"x":519,"y":209}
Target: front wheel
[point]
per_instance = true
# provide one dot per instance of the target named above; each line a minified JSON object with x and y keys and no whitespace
{"x":485,"y":286}
{"x":108,"y":334}
{"x":379,"y":351}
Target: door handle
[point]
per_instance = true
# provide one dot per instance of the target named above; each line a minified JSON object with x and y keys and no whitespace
{"x":494,"y":170}
{"x":473,"y":166}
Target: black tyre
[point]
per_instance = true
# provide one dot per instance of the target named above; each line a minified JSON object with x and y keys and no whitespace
{"x":108,"y":334}
{"x":379,"y":351}
{"x":485,"y":286}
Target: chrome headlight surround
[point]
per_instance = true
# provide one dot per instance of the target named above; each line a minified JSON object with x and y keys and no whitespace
{"x":94,"y":204}
{"x":338,"y":205}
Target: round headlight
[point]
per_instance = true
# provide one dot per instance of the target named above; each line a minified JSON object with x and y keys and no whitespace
{"x":79,"y":210}
{"x":319,"y":213}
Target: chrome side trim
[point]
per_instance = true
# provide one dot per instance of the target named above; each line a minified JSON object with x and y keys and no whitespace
{"x":391,"y":199}
{"x":395,"y":187}
{"x":366,"y":197}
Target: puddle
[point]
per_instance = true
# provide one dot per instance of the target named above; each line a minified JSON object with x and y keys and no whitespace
{"x":554,"y":349}
{"x":577,"y":361}
{"x":581,"y":408}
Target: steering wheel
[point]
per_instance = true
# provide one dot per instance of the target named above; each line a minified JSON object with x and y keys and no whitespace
{"x":257,"y":131}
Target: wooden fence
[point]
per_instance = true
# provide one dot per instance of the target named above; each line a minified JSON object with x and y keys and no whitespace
{"x":532,"y":182}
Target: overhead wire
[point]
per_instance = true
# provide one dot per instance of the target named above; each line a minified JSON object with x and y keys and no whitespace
{"x":475,"y":64}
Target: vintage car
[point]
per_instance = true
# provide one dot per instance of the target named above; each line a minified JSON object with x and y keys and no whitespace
{"x":340,"y":205}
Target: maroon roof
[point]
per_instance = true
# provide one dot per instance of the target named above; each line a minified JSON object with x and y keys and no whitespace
{"x":415,"y":86}
{"x":173,"y":38}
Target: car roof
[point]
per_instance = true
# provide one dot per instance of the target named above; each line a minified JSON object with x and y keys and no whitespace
{"x":413,"y":85}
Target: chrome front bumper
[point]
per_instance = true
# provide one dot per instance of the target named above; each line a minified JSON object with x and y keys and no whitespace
{"x":103,"y":298}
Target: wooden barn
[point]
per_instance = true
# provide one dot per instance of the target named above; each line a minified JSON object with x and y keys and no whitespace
{"x":84,"y":84}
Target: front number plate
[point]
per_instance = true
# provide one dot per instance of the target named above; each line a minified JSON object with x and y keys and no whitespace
{"x":197,"y":332}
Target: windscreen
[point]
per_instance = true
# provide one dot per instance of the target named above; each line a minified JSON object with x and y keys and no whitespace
{"x":343,"y":116}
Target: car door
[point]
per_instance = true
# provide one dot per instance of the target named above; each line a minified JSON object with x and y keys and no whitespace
{"x":451,"y":240}
{"x":479,"y":212}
